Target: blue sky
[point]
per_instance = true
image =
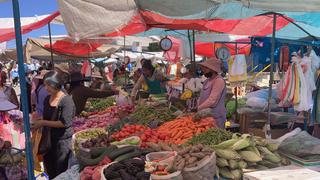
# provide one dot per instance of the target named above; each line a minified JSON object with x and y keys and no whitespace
{"x":31,"y":8}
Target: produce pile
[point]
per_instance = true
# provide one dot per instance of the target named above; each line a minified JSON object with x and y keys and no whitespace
{"x":144,"y":114}
{"x":146,"y":134}
{"x":246,"y":152}
{"x":127,"y":169}
{"x":184,"y":128}
{"x":100,"y":141}
{"x":106,"y":118}
{"x":195,"y":161}
{"x":211,"y":137}
{"x":79,"y":137}
{"x":96,"y":105}
{"x":231,"y":106}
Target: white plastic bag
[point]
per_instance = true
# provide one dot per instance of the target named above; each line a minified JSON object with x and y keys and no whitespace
{"x":122,"y":99}
{"x":257,"y":102}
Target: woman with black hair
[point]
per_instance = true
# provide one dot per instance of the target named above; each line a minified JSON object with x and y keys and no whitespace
{"x":154,"y":79}
{"x":58,"y":113}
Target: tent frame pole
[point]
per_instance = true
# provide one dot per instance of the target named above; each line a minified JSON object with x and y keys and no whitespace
{"x":194,"y":53}
{"x":273,"y":44}
{"x":236,"y":88}
{"x":23,"y":87}
{"x":50,"y":39}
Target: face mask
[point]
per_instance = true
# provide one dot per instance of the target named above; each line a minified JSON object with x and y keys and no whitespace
{"x":208,"y":75}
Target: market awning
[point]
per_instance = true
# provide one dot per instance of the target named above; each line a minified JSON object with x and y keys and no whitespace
{"x":28,"y":24}
{"x":37,"y":48}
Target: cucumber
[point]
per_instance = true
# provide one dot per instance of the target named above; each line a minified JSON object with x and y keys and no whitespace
{"x":113,"y":155}
{"x":95,"y":152}
{"x":84,"y":161}
{"x":135,"y":153}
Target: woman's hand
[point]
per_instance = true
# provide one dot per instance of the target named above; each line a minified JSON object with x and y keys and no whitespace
{"x":37,"y":124}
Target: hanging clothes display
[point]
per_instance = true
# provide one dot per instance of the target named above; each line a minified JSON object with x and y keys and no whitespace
{"x":284,"y":58}
{"x":298,"y":83}
{"x":237,"y":69}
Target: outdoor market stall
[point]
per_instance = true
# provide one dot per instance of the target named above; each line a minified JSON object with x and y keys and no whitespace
{"x":95,"y":151}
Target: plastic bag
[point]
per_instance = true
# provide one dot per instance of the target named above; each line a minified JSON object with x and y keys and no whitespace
{"x":167,"y":157}
{"x":206,"y":169}
{"x":8,"y":132}
{"x":122,"y":99}
{"x":257,"y":102}
{"x":301,"y":145}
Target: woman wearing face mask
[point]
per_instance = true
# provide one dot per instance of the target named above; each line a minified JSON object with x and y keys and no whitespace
{"x":213,"y":92}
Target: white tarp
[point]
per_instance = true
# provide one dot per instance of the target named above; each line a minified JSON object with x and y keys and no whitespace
{"x":281,"y":5}
{"x":90,"y":18}
{"x":6,"y":23}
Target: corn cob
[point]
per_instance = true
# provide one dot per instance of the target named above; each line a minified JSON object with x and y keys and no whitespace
{"x":241,"y":144}
{"x":237,"y":173}
{"x":226,"y":144}
{"x":242,"y":164}
{"x":272,"y":146}
{"x":253,"y":149}
{"x":222,"y":162}
{"x":225,"y":172}
{"x":250,"y":156}
{"x":233,"y":164}
{"x":227,"y":154}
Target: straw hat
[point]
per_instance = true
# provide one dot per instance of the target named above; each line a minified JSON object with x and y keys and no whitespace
{"x":42,"y":74}
{"x":213,"y":64}
{"x":63,"y":67}
{"x":6,"y":105}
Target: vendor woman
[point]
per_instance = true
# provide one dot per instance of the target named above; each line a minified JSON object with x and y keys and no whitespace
{"x":213,"y":92}
{"x":154,"y":79}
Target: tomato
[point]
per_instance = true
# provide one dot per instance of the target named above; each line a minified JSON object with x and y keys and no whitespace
{"x":161,"y":168}
{"x":148,"y":133}
{"x":162,"y":137}
{"x":143,"y":137}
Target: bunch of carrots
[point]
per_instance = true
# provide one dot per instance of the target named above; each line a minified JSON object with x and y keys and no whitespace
{"x":182,"y":129}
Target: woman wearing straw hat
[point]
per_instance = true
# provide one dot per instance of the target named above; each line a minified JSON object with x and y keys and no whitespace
{"x":213,"y":92}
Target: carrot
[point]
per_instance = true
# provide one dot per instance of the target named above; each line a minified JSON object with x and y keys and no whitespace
{"x":178,"y":135}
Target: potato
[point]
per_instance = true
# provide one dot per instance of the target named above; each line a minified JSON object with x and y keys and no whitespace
{"x":186,"y":156}
{"x":178,"y":158}
{"x":198,"y":155}
{"x":191,"y":160}
{"x":181,"y":164}
{"x":184,"y":151}
{"x":165,"y":147}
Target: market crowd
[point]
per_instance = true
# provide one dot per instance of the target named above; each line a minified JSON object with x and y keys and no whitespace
{"x":56,"y":95}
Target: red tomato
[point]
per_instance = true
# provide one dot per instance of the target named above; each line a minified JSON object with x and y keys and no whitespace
{"x":143,"y":137}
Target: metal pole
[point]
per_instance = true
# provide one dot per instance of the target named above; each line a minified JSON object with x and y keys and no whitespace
{"x":190,"y":44}
{"x":273,"y":44}
{"x":236,"y":89}
{"x":194,"y":53}
{"x":23,"y":87}
{"x":50,"y":39}
{"x":124,"y":56}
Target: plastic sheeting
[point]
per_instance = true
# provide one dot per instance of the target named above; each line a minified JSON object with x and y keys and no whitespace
{"x":92,"y":18}
{"x":209,"y":49}
{"x":7,"y":31}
